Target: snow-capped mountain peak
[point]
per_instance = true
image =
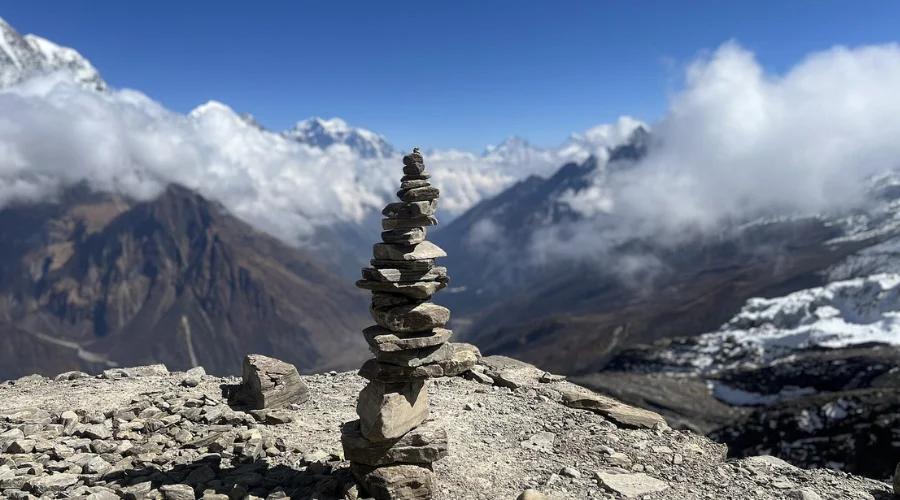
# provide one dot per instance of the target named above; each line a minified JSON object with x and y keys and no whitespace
{"x":24,"y":56}
{"x":321,"y":133}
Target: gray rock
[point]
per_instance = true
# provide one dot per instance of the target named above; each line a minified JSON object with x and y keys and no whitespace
{"x":30,"y":379}
{"x":416,"y":290}
{"x":177,"y":492}
{"x":69,"y":420}
{"x":95,"y":431}
{"x":99,"y":493}
{"x":542,"y":441}
{"x":136,"y":371}
{"x":73,"y":375}
{"x":804,"y":494}
{"x":405,"y":236}
{"x":479,"y":377}
{"x":422,"y":221}
{"x":52,"y":483}
{"x":395,"y":482}
{"x":389,"y":410}
{"x":531,"y":494}
{"x":270,"y":383}
{"x":407,"y":265}
{"x":462,"y":358}
{"x":415,"y":177}
{"x":570,"y":472}
{"x":410,"y":209}
{"x":416,"y":357}
{"x":423,"y":251}
{"x":426,"y":443}
{"x":403,"y":275}
{"x":619,"y":460}
{"x":414,"y":161}
{"x":417,"y":183}
{"x":411,"y":317}
{"x":383,"y":340}
{"x":385,"y":372}
{"x":382,"y":301}
{"x":203,"y":474}
{"x":630,"y":485}
{"x":419,"y":194}
{"x":20,"y":446}
{"x":614,"y":410}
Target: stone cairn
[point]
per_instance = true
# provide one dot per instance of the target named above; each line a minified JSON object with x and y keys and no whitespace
{"x":392,"y":446}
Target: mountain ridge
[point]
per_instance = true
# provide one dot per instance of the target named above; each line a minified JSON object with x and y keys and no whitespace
{"x":174,"y":279}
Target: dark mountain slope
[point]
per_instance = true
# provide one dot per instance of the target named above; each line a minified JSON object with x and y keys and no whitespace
{"x":174,"y":280}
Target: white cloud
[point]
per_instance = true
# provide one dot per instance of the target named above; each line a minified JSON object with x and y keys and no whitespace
{"x":739,"y":142}
{"x":53,"y":134}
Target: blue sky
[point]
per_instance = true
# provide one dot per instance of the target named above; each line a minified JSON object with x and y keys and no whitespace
{"x":437,"y":74}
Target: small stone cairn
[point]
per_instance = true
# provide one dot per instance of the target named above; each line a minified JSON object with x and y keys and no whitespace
{"x":393,"y":444}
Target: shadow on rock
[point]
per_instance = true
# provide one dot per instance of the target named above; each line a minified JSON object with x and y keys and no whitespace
{"x":211,"y":479}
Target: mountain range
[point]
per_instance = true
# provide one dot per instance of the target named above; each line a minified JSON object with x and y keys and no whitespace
{"x":773,"y":333}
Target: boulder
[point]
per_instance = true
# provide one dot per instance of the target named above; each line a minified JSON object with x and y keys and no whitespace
{"x":425,"y":444}
{"x":270,"y":383}
{"x":395,"y":482}
{"x":411,"y":317}
{"x":389,"y":410}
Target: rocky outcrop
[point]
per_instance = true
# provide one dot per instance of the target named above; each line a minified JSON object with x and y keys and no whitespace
{"x":148,"y":436}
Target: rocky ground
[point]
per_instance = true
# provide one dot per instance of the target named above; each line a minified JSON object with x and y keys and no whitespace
{"x":148,"y":433}
{"x":833,"y":408}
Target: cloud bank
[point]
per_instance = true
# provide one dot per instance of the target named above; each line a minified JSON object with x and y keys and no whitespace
{"x":738,"y":142}
{"x":54,"y":134}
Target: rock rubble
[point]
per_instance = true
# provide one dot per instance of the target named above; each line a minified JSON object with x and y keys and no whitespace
{"x":149,"y":436}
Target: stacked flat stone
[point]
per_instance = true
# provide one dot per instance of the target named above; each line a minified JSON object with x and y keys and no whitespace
{"x":391,"y":447}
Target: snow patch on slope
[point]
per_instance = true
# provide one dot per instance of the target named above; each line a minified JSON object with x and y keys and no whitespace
{"x":841,"y":314}
{"x":22,"y":57}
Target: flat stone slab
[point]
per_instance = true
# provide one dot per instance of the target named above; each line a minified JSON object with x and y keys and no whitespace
{"x":388,"y":410}
{"x":416,"y":357}
{"x":423,"y":221}
{"x":408,"y":265}
{"x":417,"y":290}
{"x":412,"y":177}
{"x":383,"y":340}
{"x":406,"y":236}
{"x":386,"y":372}
{"x":618,"y":412}
{"x":383,"y":300}
{"x":419,"y":194}
{"x":460,"y":359}
{"x":410,"y":208}
{"x":414,"y":184}
{"x":422,"y":251}
{"x":631,"y":485}
{"x":395,"y":482}
{"x":405,"y":275}
{"x":411,"y":317}
{"x":426,"y":443}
